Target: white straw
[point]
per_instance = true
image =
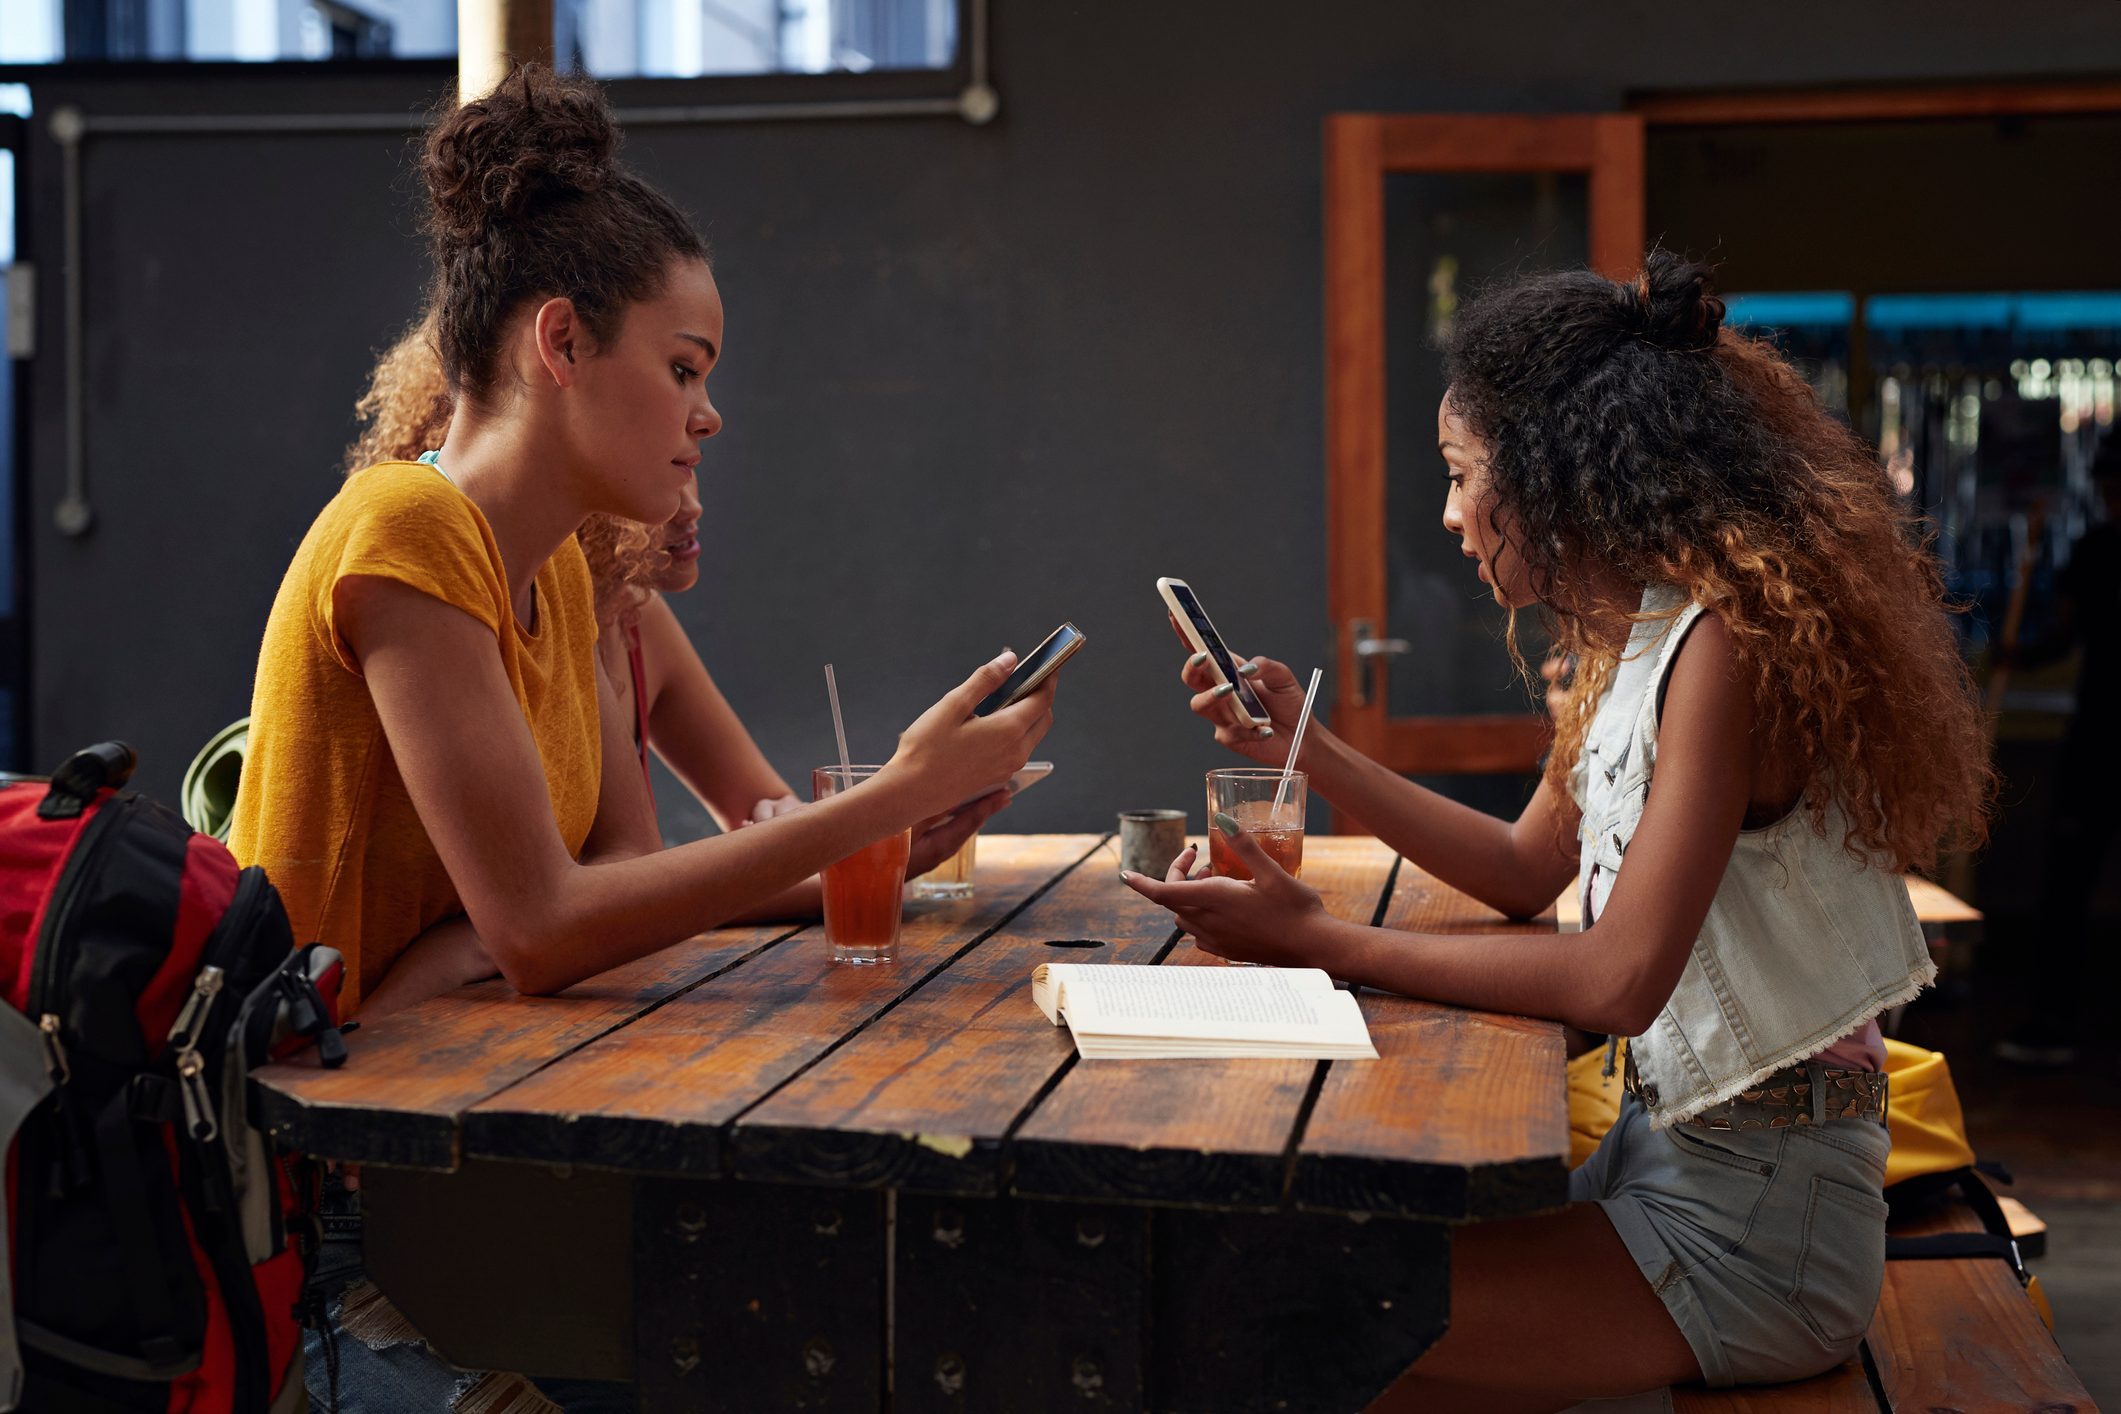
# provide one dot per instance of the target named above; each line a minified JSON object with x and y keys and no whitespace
{"x":1296,"y":743}
{"x":839,"y":727}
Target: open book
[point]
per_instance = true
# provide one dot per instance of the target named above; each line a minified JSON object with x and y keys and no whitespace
{"x":1120,"y":1011}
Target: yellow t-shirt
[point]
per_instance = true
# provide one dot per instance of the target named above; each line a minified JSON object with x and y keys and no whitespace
{"x":321,"y":805}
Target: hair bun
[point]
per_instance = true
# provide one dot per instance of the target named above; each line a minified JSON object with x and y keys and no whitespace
{"x":538,"y":139}
{"x":1677,"y":303}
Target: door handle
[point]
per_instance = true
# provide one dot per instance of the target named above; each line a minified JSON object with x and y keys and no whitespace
{"x":1369,"y":651}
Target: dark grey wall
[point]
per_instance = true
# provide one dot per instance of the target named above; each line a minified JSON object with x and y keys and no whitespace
{"x":977,"y":380}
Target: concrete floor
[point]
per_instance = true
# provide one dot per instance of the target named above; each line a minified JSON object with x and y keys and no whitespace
{"x":2082,"y":1277}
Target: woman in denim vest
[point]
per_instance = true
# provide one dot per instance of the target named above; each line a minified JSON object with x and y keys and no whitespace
{"x":1769,"y":722}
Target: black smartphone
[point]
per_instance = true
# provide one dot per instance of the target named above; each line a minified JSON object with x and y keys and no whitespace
{"x":1034,"y":668}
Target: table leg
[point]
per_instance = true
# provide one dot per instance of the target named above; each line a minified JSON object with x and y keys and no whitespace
{"x":1030,"y":1305}
{"x":752,"y":1296}
{"x":1290,"y":1311}
{"x":1019,"y":1304}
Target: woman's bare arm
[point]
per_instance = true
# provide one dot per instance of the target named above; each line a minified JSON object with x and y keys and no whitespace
{"x":450,"y":954}
{"x":1616,"y":975}
{"x":475,"y":777}
{"x":442,"y":959}
{"x":1513,"y":866}
{"x":692,"y":727}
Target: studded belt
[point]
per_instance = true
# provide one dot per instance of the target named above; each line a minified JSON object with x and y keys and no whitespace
{"x":1796,"y":1095}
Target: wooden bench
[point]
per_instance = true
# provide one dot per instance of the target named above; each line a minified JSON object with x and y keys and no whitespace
{"x":1950,"y":1334}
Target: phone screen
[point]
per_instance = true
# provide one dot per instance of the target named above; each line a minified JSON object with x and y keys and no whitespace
{"x":1031,"y":671}
{"x":1220,"y":653}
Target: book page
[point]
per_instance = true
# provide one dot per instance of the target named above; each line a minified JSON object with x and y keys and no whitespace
{"x":1238,"y":999}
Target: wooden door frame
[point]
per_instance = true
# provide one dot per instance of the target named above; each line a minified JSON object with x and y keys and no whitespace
{"x":1361,"y":150}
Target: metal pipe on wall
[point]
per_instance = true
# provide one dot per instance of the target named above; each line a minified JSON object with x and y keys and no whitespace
{"x":977,"y":104}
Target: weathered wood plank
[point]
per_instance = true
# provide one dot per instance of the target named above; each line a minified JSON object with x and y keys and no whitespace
{"x":1960,"y":1333}
{"x":1464,"y":1114}
{"x":925,"y":1097}
{"x":1845,"y":1389}
{"x":1934,"y":905}
{"x":653,"y":1097}
{"x":410,"y":1076}
{"x":1198,"y":1132}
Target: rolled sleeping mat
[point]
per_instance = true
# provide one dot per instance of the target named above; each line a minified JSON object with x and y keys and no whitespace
{"x":208,"y":795}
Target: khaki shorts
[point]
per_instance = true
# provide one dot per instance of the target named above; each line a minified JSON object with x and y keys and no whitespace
{"x":1766,"y":1245}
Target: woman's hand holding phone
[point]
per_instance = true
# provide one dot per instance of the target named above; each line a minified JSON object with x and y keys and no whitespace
{"x":949,"y":755}
{"x":1275,"y":686}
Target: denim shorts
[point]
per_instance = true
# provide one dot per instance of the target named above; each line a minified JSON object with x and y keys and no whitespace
{"x":1766,"y":1245}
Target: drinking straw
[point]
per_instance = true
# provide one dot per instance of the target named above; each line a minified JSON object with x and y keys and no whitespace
{"x":839,"y":725}
{"x":1296,"y":743}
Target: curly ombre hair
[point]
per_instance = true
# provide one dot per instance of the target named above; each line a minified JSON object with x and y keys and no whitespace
{"x":406,"y":411}
{"x":1629,"y":431}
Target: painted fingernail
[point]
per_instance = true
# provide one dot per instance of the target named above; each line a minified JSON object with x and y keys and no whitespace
{"x":1228,"y":825}
{"x":1124,"y":876}
{"x":1196,"y":660}
{"x":1224,"y":691}
{"x":1266,"y":731}
{"x":1248,"y":670}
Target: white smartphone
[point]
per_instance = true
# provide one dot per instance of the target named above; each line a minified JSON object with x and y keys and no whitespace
{"x":1030,"y":775}
{"x":1193,"y":622}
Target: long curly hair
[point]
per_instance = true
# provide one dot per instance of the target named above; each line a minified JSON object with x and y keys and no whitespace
{"x":406,"y":411}
{"x":1629,"y":431}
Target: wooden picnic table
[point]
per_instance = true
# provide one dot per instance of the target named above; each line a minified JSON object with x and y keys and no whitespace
{"x":746,"y":1178}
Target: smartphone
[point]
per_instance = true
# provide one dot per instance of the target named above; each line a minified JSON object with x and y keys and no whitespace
{"x":1032,"y":773}
{"x":1193,"y":622}
{"x":1034,"y":668}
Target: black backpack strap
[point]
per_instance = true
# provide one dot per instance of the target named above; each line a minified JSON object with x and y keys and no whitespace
{"x":1994,"y":1241}
{"x":106,"y":765}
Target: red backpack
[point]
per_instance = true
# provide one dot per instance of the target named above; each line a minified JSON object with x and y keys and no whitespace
{"x":148,"y":1221}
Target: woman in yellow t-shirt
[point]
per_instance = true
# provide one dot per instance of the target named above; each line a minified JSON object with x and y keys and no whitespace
{"x":664,"y":692}
{"x":430,"y":733}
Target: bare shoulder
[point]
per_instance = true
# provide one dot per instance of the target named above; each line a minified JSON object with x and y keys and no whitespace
{"x":1706,"y":700}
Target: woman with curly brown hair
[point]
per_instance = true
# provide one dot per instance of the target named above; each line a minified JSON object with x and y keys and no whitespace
{"x":1769,"y":722}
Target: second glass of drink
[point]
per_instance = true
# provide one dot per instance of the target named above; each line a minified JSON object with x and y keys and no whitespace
{"x":864,"y":891}
{"x":1248,"y":795}
{"x":953,"y":877}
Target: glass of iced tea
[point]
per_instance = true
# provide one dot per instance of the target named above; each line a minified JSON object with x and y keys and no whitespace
{"x":950,"y":879}
{"x":1247,"y":794}
{"x":863,"y":891}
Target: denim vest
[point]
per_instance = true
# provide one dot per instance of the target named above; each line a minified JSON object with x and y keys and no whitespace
{"x":1802,"y":943}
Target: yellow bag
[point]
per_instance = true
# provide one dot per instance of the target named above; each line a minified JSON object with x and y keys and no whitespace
{"x":1923,"y":1116}
{"x":1594,"y":1101}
